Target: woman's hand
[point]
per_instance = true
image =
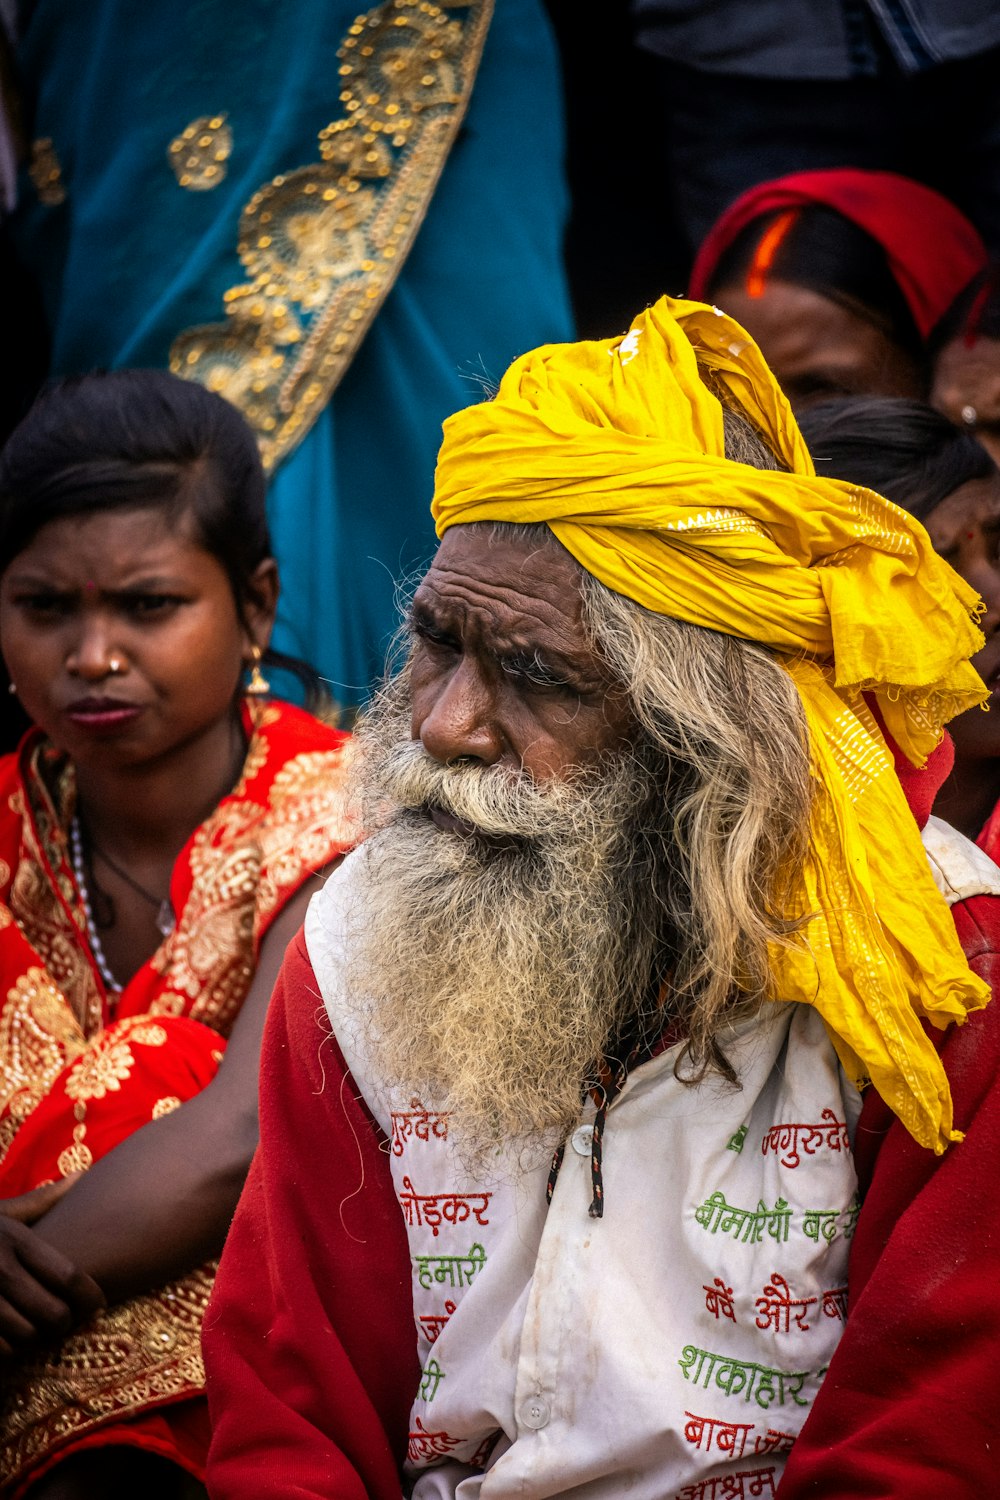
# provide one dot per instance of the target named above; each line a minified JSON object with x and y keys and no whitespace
{"x":27,"y":1207}
{"x":42,"y":1294}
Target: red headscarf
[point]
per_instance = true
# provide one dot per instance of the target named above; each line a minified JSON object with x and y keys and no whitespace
{"x":932,"y":249}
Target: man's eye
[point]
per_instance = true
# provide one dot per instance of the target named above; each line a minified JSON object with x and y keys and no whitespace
{"x":431,"y":636}
{"x":529,"y":670}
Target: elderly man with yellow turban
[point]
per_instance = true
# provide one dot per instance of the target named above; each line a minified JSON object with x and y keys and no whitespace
{"x":560,"y":1095}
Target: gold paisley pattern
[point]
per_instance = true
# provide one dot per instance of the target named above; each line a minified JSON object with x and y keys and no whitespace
{"x":44,"y":900}
{"x":108,"y":1060}
{"x":106,"y":1064}
{"x":148,"y":1034}
{"x":168,"y":1003}
{"x":38,"y":1037}
{"x":77,"y":1157}
{"x":245,"y":860}
{"x":102,"y":1070}
{"x":141,"y":1353}
{"x":198,"y":156}
{"x":244,"y":864}
{"x":323,"y":243}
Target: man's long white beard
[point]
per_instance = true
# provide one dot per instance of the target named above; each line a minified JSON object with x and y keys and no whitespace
{"x":498,"y":969}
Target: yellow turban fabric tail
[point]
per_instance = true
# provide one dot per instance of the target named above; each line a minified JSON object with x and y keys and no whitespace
{"x":618,"y":447}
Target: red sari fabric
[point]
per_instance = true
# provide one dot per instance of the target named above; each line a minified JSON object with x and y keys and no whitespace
{"x":989,"y":838}
{"x":83,"y":1070}
{"x":932,"y":249}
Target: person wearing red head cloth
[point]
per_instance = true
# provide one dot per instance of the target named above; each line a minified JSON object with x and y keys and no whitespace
{"x":841,"y":277}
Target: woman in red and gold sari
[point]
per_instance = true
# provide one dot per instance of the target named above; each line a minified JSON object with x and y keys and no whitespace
{"x":161,"y":831}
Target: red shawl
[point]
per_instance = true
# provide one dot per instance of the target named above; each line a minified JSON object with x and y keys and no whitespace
{"x":932,"y":249}
{"x":82,"y":1070}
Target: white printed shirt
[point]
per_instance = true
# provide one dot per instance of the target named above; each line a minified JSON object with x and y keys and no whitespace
{"x":672,"y":1348}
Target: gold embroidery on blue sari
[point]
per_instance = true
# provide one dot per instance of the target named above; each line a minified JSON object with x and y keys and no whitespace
{"x":322,"y":244}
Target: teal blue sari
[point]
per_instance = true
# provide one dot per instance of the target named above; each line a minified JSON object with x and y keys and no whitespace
{"x":138,"y":266}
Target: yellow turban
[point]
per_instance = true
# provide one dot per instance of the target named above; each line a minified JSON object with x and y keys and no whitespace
{"x":618,"y":447}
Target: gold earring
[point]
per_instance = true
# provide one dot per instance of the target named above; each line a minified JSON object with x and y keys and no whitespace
{"x":258,"y":686}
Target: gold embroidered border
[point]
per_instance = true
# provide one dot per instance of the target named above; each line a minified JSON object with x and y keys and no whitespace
{"x":43,"y":888}
{"x":323,"y":244}
{"x":38,"y":1037}
{"x":244,"y":860}
{"x":141,"y":1354}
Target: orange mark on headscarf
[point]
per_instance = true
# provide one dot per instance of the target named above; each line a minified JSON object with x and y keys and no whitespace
{"x":766,"y":251}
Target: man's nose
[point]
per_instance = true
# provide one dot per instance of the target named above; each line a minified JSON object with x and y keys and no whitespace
{"x":456,"y":720}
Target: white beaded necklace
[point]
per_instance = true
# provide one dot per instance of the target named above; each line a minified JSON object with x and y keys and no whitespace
{"x":79,"y":870}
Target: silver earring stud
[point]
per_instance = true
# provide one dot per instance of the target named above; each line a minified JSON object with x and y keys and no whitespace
{"x":970,"y":416}
{"x":12,"y":688}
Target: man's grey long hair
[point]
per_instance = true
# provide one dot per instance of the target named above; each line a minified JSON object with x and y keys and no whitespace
{"x":727,"y":718}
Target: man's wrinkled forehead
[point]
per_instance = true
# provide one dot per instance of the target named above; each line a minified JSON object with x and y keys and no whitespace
{"x":513,"y":595}
{"x":517,"y":583}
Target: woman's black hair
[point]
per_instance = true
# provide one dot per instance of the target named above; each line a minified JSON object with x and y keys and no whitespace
{"x":902,"y":449}
{"x":974,"y":314}
{"x":829,"y":254}
{"x":126,"y":439}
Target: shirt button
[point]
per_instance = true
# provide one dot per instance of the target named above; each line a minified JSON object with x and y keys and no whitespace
{"x":535,"y":1412}
{"x":583,"y":1140}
